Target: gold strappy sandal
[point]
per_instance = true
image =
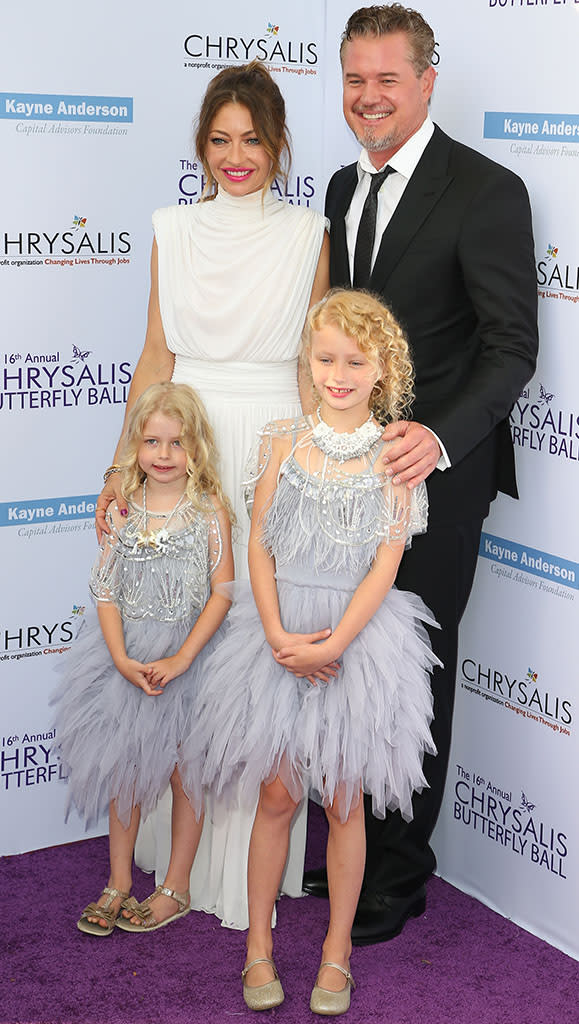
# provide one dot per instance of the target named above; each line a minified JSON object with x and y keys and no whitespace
{"x":104,"y":912}
{"x":144,"y":911}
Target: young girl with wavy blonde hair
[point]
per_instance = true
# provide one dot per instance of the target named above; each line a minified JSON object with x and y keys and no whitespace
{"x":348,"y":713}
{"x":132,"y":679}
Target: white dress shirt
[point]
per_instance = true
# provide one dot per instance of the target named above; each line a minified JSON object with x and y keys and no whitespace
{"x":404,"y":164}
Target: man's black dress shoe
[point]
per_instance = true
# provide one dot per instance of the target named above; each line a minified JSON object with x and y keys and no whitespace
{"x":316,"y":883}
{"x":382,"y":917}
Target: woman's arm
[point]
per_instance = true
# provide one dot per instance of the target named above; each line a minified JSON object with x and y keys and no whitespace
{"x":213,"y":614}
{"x":112,"y":630}
{"x":322,"y":278}
{"x":319,"y":289}
{"x":155,"y":364}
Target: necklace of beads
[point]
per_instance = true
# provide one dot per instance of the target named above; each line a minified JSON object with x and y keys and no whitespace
{"x":156,"y":539}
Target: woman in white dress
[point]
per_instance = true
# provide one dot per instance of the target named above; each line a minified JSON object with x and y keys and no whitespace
{"x":232,"y":279}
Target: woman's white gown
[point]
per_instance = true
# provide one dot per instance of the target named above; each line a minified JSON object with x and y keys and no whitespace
{"x":235,"y":278}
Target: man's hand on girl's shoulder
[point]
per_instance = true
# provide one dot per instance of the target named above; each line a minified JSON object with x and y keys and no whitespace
{"x":413,"y":455}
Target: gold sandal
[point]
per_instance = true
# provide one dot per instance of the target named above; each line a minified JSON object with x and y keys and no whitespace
{"x":104,"y":912}
{"x":332,"y":1004}
{"x":147,"y":922}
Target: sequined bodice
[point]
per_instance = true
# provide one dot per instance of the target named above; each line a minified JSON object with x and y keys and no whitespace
{"x":166,"y":580}
{"x":331,"y":513}
{"x":334,"y":525}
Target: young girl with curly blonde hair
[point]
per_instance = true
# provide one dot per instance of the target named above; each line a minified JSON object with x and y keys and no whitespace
{"x":350,"y":712}
{"x":132,"y":679}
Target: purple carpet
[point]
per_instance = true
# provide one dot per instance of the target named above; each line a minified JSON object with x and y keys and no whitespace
{"x":458,"y":964}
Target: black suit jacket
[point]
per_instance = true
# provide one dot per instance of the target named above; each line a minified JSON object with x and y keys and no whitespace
{"x":456,"y":266}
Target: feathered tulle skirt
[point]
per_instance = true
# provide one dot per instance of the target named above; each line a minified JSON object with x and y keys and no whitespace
{"x":116,"y":741}
{"x":367,"y":729}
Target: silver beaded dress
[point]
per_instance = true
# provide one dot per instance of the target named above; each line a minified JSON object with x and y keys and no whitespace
{"x":368,"y":728}
{"x":116,"y":741}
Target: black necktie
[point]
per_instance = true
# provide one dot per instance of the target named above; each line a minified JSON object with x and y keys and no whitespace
{"x":367,"y":231}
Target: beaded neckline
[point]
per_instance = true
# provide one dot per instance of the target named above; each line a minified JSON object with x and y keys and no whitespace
{"x":343,"y":447}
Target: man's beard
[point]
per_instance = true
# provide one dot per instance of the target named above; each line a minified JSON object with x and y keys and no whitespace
{"x":375,"y":143}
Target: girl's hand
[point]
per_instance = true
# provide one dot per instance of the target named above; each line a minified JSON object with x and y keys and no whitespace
{"x":137,"y":674}
{"x":323,"y":675}
{"x":163,"y":671}
{"x":110,"y":492}
{"x":310,"y":661}
{"x":283,"y":639}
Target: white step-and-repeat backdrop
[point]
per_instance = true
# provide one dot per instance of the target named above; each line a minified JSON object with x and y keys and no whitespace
{"x":96,"y":129}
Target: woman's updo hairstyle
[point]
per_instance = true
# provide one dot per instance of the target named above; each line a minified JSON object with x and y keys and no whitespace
{"x":252,"y":86}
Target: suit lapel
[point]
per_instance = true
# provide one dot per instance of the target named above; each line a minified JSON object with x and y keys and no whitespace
{"x":426,"y":186}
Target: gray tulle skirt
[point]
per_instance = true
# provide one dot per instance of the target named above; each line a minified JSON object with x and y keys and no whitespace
{"x":366,"y":730}
{"x":116,"y":741}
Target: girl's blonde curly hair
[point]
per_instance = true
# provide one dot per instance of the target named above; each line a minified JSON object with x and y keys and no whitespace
{"x":179,"y":402}
{"x":364,"y":318}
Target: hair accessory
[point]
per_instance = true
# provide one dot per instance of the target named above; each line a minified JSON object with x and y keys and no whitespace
{"x":342,"y":447}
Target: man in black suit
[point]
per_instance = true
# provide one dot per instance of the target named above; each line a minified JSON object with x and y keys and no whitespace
{"x":446,"y":240}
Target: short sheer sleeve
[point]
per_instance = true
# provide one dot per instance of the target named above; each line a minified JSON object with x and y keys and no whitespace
{"x":260,"y":455}
{"x":214,"y":542}
{"x":106,"y":573}
{"x":406,"y":512}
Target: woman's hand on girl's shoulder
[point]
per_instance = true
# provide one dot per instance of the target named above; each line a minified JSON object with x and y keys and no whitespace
{"x":111,"y":492}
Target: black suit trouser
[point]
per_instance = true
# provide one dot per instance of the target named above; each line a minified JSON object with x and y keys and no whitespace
{"x":439,"y":567}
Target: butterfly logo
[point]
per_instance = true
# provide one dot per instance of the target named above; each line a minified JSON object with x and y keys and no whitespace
{"x":525,"y":804}
{"x":272,"y":29}
{"x":533,"y":676}
{"x":78,"y":222}
{"x":78,"y":609}
{"x":78,"y":354}
{"x":544,"y":396}
{"x":552,"y":251}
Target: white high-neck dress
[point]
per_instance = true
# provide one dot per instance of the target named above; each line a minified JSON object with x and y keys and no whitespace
{"x":235,"y":279}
